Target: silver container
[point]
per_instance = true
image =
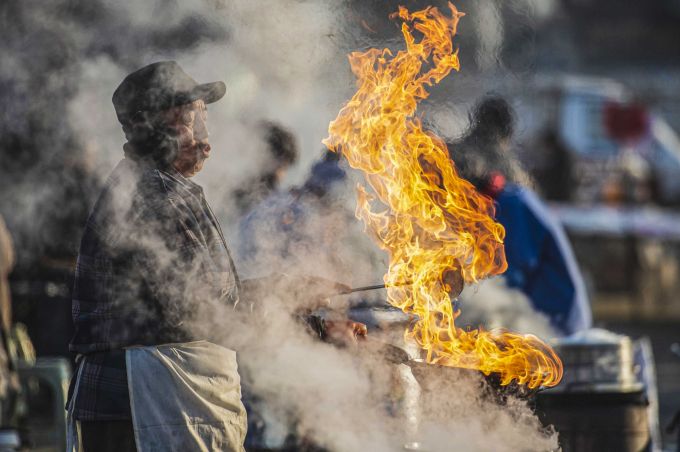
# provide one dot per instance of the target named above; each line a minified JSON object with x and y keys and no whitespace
{"x":597,"y":362}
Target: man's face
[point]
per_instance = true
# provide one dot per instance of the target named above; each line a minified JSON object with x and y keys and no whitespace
{"x":189,"y":124}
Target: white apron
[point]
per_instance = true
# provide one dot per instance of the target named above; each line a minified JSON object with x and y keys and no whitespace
{"x":185,"y":397}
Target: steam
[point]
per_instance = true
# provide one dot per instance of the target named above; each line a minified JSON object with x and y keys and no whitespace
{"x":282,"y":61}
{"x":493,"y":304}
{"x":327,"y":393}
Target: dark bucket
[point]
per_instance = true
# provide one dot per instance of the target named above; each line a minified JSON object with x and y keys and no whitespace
{"x":596,"y":421}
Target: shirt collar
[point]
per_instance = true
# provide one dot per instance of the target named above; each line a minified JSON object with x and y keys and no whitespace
{"x":187,"y":183}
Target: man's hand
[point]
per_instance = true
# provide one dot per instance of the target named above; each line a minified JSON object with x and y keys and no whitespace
{"x":344,"y":332}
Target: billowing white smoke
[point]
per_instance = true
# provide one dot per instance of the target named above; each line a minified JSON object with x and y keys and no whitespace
{"x":492,"y":304}
{"x":282,"y":61}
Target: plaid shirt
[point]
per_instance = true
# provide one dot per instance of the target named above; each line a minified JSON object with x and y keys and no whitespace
{"x":152,"y":262}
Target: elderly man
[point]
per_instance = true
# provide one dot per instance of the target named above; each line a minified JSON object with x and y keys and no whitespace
{"x":153,"y":268}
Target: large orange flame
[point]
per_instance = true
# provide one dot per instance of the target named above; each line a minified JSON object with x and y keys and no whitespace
{"x":437,"y":225}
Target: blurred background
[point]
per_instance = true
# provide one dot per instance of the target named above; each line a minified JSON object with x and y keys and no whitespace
{"x":595,"y":87}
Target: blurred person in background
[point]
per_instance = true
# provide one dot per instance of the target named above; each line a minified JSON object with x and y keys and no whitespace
{"x":540,"y":259}
{"x":282,"y":152}
{"x":286,"y":228}
{"x":9,"y":379}
{"x":555,"y":176}
{"x":6,"y":264}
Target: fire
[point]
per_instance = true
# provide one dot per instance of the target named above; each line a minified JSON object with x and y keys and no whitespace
{"x":437,"y":227}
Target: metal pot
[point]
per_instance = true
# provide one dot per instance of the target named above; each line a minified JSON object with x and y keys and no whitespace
{"x":426,"y":374}
{"x":597,"y":365}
